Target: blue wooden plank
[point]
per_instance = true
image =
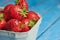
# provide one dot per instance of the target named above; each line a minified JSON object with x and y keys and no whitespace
{"x":49,"y":18}
{"x":5,"y":2}
{"x":48,"y":27}
{"x":43,"y":8}
{"x":53,"y":33}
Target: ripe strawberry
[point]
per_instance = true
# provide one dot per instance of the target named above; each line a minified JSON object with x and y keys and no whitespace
{"x":2,"y":24}
{"x":25,"y":21}
{"x":2,"y":21}
{"x":33,"y":16}
{"x":17,"y":13}
{"x":22,"y":3}
{"x":7,"y":7}
{"x":16,"y":26}
{"x":28,"y":22}
{"x":13,"y":25}
{"x":6,"y":11}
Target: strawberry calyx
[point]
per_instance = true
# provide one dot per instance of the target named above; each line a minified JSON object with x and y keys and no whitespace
{"x":22,"y":25}
{"x":1,"y":16}
{"x":32,"y":23}
{"x":23,"y":11}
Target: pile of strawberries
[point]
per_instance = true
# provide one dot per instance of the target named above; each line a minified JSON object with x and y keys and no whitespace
{"x":17,"y":17}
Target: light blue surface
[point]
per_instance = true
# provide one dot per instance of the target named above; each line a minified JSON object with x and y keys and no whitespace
{"x":50,"y":12}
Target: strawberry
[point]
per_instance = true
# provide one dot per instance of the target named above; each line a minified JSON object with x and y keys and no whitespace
{"x":33,"y":16}
{"x":17,"y":13}
{"x":16,"y":26}
{"x":2,"y":24}
{"x":7,"y":7}
{"x":28,"y":22}
{"x":13,"y":25}
{"x":2,"y":21}
{"x":6,"y":11}
{"x":22,"y":3}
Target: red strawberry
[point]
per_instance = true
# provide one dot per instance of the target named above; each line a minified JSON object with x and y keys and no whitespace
{"x":25,"y":21}
{"x":29,"y":22}
{"x":2,"y":21}
{"x":16,"y":26}
{"x":32,"y":16}
{"x":17,"y":13}
{"x":22,"y":3}
{"x":2,"y":24}
{"x":13,"y":25}
{"x":7,"y":7}
{"x":6,"y":11}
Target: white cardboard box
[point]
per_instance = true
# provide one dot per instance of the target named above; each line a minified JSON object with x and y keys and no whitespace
{"x":30,"y":35}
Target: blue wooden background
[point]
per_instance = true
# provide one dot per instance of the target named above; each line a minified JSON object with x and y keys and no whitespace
{"x":50,"y":12}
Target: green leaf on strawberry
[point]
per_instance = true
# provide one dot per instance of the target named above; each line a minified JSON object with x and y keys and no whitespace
{"x":31,"y":23}
{"x":23,"y":11}
{"x":1,"y":16}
